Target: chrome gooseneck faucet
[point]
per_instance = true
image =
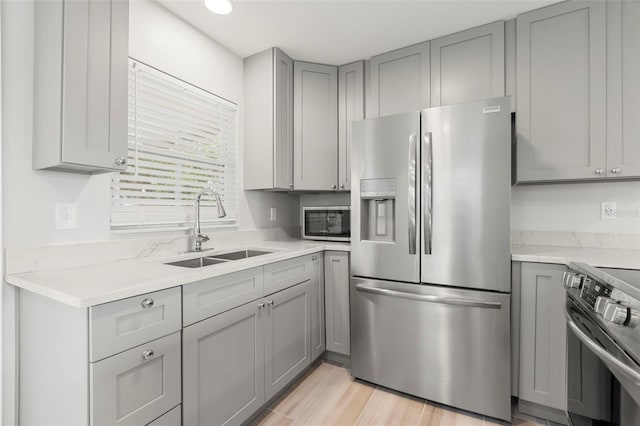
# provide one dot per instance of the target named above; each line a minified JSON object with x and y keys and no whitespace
{"x":197,"y":238}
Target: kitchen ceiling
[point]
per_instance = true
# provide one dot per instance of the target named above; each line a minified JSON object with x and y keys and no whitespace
{"x":337,"y":32}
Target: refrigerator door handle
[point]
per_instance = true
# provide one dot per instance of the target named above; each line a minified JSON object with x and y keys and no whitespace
{"x":427,"y":195}
{"x":411,"y":199}
{"x":429,"y":298}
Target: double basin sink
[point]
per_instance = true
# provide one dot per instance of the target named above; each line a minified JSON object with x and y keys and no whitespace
{"x":214,"y":259}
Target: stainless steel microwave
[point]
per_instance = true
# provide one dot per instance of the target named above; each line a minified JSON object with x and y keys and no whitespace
{"x":326,"y":223}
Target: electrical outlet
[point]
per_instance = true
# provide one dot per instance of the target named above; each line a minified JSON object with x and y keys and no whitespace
{"x":608,"y":210}
{"x":273,"y":214}
{"x":66,"y":216}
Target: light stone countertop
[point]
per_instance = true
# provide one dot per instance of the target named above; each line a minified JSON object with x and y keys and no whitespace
{"x":94,"y":284}
{"x":599,"y":257}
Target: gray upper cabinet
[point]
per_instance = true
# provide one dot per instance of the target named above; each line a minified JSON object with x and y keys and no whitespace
{"x":543,"y":343}
{"x":350,"y":108}
{"x":399,"y":81}
{"x":623,"y":89}
{"x":315,"y":126}
{"x":268,"y":92}
{"x":223,"y":366}
{"x":80,"y":85}
{"x":336,"y":264}
{"x":468,"y":65}
{"x":561,"y":103}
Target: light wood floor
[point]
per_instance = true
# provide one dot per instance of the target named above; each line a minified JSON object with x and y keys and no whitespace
{"x":327,"y":395}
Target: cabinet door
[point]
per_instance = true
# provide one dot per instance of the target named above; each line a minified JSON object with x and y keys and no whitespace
{"x":399,"y":81}
{"x":315,"y":126}
{"x":282,"y":120}
{"x":287,"y":273}
{"x":287,"y":342}
{"x":468,"y":65}
{"x":623,"y":89}
{"x":350,"y":108}
{"x":561,"y":69}
{"x":172,"y":418}
{"x":317,"y":306}
{"x":94,"y":97}
{"x":136,"y":386}
{"x":223,"y":367}
{"x":543,"y":344}
{"x":336,"y":274}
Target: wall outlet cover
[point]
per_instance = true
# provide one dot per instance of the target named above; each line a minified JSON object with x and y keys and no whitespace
{"x":608,"y":210}
{"x":273,"y":214}
{"x":66,"y":216}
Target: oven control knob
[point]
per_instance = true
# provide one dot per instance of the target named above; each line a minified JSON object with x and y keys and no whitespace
{"x":601,"y":304}
{"x":571,"y":280}
{"x":616,"y":313}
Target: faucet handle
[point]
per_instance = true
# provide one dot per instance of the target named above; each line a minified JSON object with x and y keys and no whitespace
{"x":203,"y":238}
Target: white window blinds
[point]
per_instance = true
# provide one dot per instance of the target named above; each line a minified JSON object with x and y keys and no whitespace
{"x":181,"y":139}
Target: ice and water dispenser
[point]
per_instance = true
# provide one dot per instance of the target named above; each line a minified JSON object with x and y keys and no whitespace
{"x":377,"y":210}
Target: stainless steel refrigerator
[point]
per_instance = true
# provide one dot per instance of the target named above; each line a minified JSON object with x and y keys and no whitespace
{"x":430,"y":254}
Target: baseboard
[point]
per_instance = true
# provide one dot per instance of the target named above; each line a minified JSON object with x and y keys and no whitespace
{"x":543,"y":412}
{"x":336,"y":358}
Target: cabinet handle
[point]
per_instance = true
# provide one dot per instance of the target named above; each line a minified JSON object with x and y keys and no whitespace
{"x":147,"y":303}
{"x":121,"y":161}
{"x":342,"y":186}
{"x":147,"y":354}
{"x":314,"y":257}
{"x":270,"y":302}
{"x":615,"y":170}
{"x":260,"y":305}
{"x":599,"y":171}
{"x":333,"y":186}
{"x":291,"y":186}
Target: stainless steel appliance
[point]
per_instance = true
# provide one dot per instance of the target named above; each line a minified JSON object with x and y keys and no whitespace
{"x":430,"y":255}
{"x":603,"y":346}
{"x":328,"y":223}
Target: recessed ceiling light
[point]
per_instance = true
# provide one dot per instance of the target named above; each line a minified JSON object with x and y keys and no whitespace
{"x":221,"y":7}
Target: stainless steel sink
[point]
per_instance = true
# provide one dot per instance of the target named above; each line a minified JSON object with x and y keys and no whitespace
{"x":197,"y":263}
{"x":217,"y":258}
{"x":242,"y":254}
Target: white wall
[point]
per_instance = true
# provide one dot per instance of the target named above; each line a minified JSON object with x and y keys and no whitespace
{"x":157,"y":38}
{"x":575,"y":207}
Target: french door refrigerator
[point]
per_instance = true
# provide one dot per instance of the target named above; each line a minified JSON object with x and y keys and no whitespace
{"x":430,"y":254}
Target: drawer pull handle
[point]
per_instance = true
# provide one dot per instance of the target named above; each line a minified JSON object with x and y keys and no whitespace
{"x":314,"y":258}
{"x":270,"y":302}
{"x":147,"y":303}
{"x":261,"y":305}
{"x":147,"y":354}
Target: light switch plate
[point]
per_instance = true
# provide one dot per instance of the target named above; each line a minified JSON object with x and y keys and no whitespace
{"x":66,"y":216}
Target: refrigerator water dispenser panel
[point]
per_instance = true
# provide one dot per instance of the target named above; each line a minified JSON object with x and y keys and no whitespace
{"x":377,"y":209}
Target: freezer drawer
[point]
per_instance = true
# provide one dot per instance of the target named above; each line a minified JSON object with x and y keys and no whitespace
{"x":445,"y":345}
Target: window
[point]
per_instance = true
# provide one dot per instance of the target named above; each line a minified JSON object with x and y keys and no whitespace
{"x":181,"y":139}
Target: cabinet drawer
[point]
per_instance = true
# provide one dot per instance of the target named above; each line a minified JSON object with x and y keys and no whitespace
{"x":120,"y":325}
{"x":172,"y":418}
{"x":206,"y":298}
{"x":136,"y":386}
{"x":278,"y":276}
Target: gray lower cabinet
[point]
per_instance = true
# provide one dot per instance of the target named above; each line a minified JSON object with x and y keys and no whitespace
{"x":138,"y":385}
{"x":336,"y":273}
{"x":315,"y":126}
{"x":80,"y":85}
{"x":561,"y":84}
{"x":317,"y":307}
{"x":543,"y":343}
{"x":223,"y":366}
{"x":268,"y":92}
{"x":468,"y":65}
{"x":399,"y":81}
{"x":287,"y":341}
{"x":171,"y":418}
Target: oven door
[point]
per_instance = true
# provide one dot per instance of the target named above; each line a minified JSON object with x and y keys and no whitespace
{"x":601,"y":377}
